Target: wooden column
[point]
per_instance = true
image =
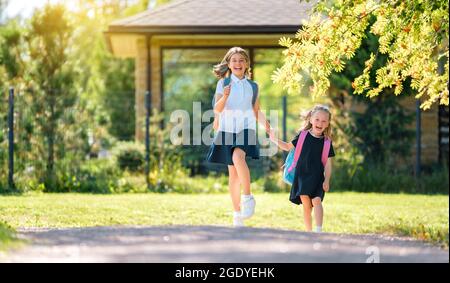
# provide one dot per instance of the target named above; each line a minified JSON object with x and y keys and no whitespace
{"x":156,"y":78}
{"x":141,"y":82}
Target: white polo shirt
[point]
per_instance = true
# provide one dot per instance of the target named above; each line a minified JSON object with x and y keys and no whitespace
{"x":237,"y":114}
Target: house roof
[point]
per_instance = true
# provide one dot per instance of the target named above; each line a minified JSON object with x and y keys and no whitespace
{"x":217,"y":16}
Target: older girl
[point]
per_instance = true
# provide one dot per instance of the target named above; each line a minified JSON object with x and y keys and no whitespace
{"x":237,"y":109}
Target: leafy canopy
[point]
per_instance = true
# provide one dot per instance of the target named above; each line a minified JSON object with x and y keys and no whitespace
{"x":413,"y":34}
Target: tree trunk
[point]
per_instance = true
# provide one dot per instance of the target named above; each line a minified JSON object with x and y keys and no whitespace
{"x":51,"y":180}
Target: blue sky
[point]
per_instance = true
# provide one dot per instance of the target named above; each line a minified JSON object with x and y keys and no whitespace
{"x":25,"y":8}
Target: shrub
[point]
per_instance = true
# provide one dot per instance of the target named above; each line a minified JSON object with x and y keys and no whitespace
{"x":273,"y":182}
{"x":129,"y":156}
{"x":379,"y":178}
{"x":167,"y":174}
{"x":93,"y":176}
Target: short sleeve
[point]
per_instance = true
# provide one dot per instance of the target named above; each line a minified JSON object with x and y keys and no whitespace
{"x":219,"y":92}
{"x":295,"y":140}
{"x":331,"y":153}
{"x":219,"y":87}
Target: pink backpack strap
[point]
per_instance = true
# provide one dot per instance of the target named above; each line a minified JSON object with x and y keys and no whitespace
{"x":298,"y":149}
{"x":326,"y":151}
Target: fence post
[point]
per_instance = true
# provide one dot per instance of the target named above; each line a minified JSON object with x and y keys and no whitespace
{"x":284,"y":102}
{"x":147,"y":138}
{"x":11,"y":140}
{"x":418,"y":139}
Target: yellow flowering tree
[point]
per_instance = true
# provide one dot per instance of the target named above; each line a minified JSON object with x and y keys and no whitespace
{"x":412,"y":34}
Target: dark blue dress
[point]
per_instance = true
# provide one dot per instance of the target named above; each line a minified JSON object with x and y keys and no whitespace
{"x":309,"y":172}
{"x":221,"y":150}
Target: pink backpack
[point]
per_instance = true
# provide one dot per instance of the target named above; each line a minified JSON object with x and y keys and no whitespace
{"x":294,"y":155}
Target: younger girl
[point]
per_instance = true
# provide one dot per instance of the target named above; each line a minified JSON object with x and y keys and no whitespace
{"x":312,"y":178}
{"x":236,"y":106}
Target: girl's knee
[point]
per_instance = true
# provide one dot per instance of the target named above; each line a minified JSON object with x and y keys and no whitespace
{"x":238,"y":155}
{"x":316,"y":202}
{"x":305,"y":199}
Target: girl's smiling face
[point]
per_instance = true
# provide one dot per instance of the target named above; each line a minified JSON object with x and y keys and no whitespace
{"x":238,"y":65}
{"x":319,"y":121}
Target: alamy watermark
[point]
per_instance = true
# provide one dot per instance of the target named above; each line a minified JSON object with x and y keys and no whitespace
{"x":237,"y":120}
{"x":374,"y":254}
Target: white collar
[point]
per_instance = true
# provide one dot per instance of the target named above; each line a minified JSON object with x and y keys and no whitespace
{"x":236,"y":79}
{"x":317,"y":137}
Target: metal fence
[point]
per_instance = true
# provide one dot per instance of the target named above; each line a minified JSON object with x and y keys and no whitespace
{"x":38,"y":127}
{"x":80,"y":132}
{"x":83,"y":131}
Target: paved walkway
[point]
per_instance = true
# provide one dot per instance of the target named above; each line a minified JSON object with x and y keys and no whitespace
{"x":214,"y":244}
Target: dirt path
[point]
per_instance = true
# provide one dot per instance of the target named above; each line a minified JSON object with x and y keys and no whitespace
{"x":214,"y":244}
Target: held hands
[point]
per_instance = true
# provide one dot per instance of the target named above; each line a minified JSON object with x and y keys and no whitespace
{"x":272,"y":135}
{"x":326,"y":186}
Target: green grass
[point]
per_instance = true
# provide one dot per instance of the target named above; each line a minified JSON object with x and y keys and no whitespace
{"x":421,"y":216}
{"x":7,"y":236}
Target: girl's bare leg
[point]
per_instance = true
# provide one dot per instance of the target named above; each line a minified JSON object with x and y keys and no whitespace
{"x":318,"y":211}
{"x":307,"y":208}
{"x":242,"y":169}
{"x":234,"y":187}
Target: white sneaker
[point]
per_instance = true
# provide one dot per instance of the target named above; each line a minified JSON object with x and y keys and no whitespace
{"x":248,"y":206}
{"x":238,"y":221}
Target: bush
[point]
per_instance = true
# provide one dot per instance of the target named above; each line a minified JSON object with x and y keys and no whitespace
{"x":129,"y":156}
{"x":210,"y":184}
{"x":168,"y":174}
{"x":379,"y":178}
{"x":93,"y":176}
{"x":273,"y":183}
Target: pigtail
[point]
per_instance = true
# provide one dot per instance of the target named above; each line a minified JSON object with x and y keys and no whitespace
{"x":221,"y":70}
{"x":306,"y":118}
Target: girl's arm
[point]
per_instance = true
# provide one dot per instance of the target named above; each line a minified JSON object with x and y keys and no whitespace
{"x":327,"y":173}
{"x":220,"y":104}
{"x":286,"y":146}
{"x":261,"y":118}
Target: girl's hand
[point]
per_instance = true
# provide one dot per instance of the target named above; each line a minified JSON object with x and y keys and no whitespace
{"x":226,"y":90}
{"x":326,"y":186}
{"x":272,"y":135}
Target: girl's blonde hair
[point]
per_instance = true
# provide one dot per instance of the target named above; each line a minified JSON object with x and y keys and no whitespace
{"x":221,"y":70}
{"x":307,"y":117}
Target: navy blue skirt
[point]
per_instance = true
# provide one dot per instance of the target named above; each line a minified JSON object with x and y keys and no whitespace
{"x":221,"y":150}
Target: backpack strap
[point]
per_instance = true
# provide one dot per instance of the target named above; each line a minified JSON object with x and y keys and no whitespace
{"x":298,"y":149}
{"x":255,"y":91}
{"x":326,"y":151}
{"x":226,"y":82}
{"x":299,"y":146}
